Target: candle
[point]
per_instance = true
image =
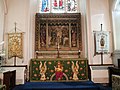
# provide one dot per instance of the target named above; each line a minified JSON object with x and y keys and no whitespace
{"x":78,"y":53}
{"x":36,"y":51}
{"x":58,"y":45}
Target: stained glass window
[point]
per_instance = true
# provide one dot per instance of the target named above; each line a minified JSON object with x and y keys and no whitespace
{"x":44,"y":5}
{"x":58,"y":6}
{"x":71,"y":5}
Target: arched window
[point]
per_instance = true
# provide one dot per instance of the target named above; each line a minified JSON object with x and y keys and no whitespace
{"x":58,"y":6}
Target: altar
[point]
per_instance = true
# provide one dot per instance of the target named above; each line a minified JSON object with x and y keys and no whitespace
{"x":58,"y":69}
{"x":58,"y":48}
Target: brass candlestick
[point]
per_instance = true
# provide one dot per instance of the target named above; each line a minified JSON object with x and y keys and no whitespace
{"x":58,"y":48}
{"x":36,"y":54}
{"x":79,"y":52}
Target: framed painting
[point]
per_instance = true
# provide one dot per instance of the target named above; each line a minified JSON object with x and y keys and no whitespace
{"x":58,"y":6}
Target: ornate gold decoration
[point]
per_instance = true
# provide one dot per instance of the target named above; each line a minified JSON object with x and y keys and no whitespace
{"x":15,"y":45}
{"x":51,"y":26}
{"x":43,"y":69}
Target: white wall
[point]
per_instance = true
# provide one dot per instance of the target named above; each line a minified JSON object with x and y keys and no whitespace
{"x":98,"y":13}
{"x":1,"y":19}
{"x":82,"y":6}
{"x":116,"y":30}
{"x":18,"y":11}
{"x":23,"y":13}
{"x":116,"y":17}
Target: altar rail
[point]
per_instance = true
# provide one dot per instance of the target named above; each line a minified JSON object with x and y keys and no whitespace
{"x":58,"y":69}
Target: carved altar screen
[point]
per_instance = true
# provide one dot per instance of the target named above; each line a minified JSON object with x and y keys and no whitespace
{"x":56,"y":29}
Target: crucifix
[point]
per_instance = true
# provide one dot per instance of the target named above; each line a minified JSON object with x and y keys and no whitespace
{"x":58,"y":47}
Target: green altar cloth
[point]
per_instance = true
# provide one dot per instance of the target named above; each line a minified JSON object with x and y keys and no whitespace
{"x":58,"y":69}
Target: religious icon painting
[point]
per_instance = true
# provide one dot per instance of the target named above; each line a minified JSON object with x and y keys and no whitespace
{"x":58,"y":6}
{"x":102,"y":41}
{"x":58,"y":35}
{"x":44,"y":6}
{"x":71,"y":5}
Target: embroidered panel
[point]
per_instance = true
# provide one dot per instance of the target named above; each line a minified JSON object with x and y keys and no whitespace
{"x":15,"y":45}
{"x":58,"y":69}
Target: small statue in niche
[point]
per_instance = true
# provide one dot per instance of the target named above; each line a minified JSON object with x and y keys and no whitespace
{"x":42,"y":71}
{"x":74,"y":38}
{"x":102,"y":41}
{"x":75,"y":70}
{"x":43,"y":36}
{"x":53,"y":37}
{"x":59,"y":34}
{"x":58,"y":71}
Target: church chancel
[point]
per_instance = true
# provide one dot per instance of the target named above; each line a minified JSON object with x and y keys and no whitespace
{"x":63,"y":45}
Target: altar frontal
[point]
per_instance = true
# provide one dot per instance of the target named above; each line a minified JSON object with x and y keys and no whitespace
{"x":58,"y":69}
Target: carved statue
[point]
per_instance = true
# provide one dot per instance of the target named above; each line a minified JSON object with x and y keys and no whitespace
{"x":43,"y":37}
{"x":75,"y":70}
{"x":42,"y":71}
{"x":74,"y":38}
{"x":102,"y":41}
